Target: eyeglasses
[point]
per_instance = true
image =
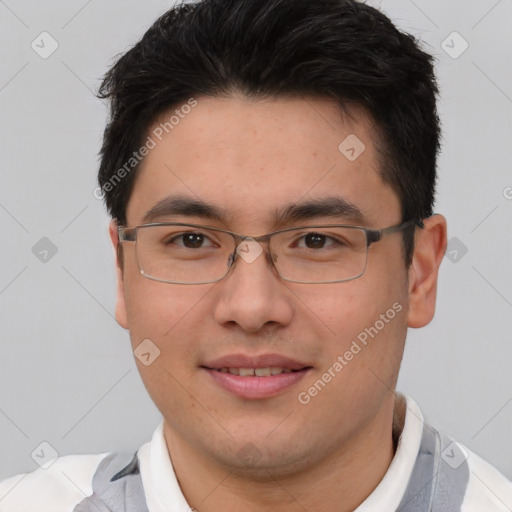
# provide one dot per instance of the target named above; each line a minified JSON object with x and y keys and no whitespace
{"x":193,"y":254}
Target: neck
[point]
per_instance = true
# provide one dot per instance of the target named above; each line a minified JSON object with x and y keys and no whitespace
{"x":338,"y":483}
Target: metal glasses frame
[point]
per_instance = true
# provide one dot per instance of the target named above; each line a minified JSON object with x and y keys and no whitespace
{"x":372,"y":236}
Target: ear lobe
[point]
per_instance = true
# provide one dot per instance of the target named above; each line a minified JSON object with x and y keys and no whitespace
{"x":429,"y":249}
{"x":121,"y":316}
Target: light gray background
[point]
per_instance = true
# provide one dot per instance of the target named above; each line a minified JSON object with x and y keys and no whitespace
{"x":67,"y":374}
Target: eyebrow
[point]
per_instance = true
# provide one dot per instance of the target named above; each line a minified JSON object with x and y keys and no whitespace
{"x":331,"y":206}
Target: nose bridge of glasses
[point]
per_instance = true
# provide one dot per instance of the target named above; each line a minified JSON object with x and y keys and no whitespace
{"x":249,"y":248}
{"x":239,"y":238}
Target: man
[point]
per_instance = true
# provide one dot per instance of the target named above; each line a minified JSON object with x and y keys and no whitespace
{"x":270,"y":169}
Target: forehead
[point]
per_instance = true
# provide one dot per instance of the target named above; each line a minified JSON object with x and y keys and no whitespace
{"x":251,"y":157}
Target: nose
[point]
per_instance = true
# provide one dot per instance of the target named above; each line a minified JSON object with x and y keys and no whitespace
{"x":252,"y":295}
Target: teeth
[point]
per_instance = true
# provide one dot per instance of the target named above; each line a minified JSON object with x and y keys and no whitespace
{"x":259,"y":372}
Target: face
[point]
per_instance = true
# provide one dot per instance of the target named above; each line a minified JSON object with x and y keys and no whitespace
{"x":251,"y":158}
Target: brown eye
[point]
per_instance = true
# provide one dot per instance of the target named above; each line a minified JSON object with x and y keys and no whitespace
{"x":191,"y":240}
{"x":315,"y":240}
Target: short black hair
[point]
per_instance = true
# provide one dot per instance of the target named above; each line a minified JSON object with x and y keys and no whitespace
{"x":339,"y":49}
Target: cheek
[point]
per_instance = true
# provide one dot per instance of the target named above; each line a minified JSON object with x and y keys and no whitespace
{"x":163,"y":321}
{"x":171,"y":316}
{"x":362,"y":335}
{"x":152,"y":307}
{"x":339,"y":311}
{"x":364,"y":324}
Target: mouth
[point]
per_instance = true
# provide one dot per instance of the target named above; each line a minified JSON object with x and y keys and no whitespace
{"x":262,"y":376}
{"x":256,"y":372}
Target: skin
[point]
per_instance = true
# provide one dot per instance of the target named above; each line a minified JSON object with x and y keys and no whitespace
{"x":251,"y":157}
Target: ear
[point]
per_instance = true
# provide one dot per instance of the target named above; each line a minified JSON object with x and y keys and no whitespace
{"x":121,"y":316}
{"x":429,"y":248}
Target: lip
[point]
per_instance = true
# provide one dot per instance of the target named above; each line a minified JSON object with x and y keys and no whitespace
{"x":253,"y":387}
{"x":260,"y":361}
{"x":256,"y":387}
